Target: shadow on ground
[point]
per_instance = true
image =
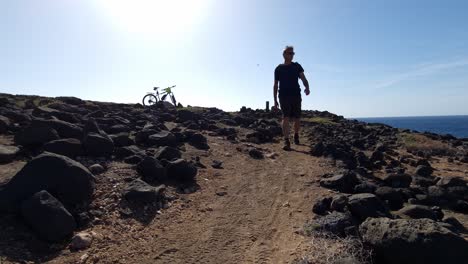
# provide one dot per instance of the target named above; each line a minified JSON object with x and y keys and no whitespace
{"x":19,"y":244}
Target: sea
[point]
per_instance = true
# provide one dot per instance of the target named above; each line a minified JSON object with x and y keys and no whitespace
{"x":454,"y":125}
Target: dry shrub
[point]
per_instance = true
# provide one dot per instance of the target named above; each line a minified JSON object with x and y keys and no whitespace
{"x":319,"y":120}
{"x":327,"y":248}
{"x":415,"y":142}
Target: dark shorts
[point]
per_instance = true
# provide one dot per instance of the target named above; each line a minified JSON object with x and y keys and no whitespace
{"x":291,"y":106}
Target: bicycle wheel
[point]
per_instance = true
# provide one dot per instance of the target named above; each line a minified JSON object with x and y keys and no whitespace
{"x":173,"y":100}
{"x":149,"y":100}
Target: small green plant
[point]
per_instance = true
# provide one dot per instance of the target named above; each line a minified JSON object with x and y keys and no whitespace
{"x":20,"y":104}
{"x":310,"y":228}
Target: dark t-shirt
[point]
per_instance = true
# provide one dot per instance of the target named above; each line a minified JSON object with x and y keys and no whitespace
{"x":288,"y":77}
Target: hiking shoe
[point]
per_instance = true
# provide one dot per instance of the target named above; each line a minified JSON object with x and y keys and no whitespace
{"x":287,"y":145}
{"x":296,"y":139}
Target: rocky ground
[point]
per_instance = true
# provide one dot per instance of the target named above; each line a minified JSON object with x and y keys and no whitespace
{"x":93,"y":182}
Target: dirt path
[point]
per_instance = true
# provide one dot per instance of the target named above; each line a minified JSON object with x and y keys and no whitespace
{"x":254,"y":222}
{"x":247,"y":212}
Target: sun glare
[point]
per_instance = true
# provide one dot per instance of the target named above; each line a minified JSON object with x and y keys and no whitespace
{"x":155,"y":18}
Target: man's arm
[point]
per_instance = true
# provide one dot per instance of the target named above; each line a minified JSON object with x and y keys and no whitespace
{"x":275,"y":92}
{"x":305,"y":82}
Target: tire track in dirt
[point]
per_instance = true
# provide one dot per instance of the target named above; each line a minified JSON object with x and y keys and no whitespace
{"x":253,"y":222}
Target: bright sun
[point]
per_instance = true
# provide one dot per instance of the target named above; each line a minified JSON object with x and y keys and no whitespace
{"x":157,"y":18}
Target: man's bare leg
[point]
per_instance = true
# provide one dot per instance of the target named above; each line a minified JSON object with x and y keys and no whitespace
{"x":297,"y":125}
{"x":287,"y":144}
{"x":286,"y":127}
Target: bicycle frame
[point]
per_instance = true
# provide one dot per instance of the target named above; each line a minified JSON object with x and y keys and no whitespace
{"x":165,"y":91}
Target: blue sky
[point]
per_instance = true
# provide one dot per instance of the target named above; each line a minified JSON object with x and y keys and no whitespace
{"x":362,"y":58}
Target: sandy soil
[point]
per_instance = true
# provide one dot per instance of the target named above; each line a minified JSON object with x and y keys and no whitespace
{"x":247,"y":212}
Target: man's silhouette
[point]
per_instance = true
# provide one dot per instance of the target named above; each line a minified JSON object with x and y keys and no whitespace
{"x":287,"y":78}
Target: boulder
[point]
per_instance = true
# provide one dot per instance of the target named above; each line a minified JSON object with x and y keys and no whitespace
{"x":122,"y":139}
{"x":335,"y":223}
{"x":391,"y":196}
{"x":96,"y":169}
{"x":424,"y":171}
{"x":460,"y":206}
{"x":48,"y":217}
{"x":124,"y":152}
{"x":317,"y":149}
{"x":260,"y":135}
{"x":61,"y":176}
{"x":5,"y":124}
{"x":437,"y":195}
{"x":184,"y":115}
{"x":16,"y":116}
{"x":63,"y":128}
{"x":226,"y":131}
{"x":342,"y":182}
{"x":322,"y":206}
{"x":8,"y":153}
{"x":69,"y":147}
{"x":418,"y":211}
{"x":134,"y":159}
{"x":397,"y":180}
{"x":451,"y":181}
{"x":217,"y":164}
{"x":168,"y":153}
{"x":363,"y":160}
{"x":365,"y":187}
{"x":69,"y":108}
{"x":81,"y":240}
{"x":415,"y":241}
{"x":119,"y":128}
{"x":33,"y":136}
{"x":70,"y":100}
{"x":366,"y":205}
{"x":141,"y":137}
{"x":151,"y":170}
{"x":181,"y":171}
{"x":97,"y":145}
{"x":377,"y":156}
{"x":139,"y":191}
{"x":96,"y":142}
{"x":457,"y":192}
{"x":198,"y":141}
{"x":339,"y":203}
{"x":423,"y":181}
{"x":423,"y":162}
{"x":454,"y":225}
{"x":163,"y":138}
{"x":47,"y":112}
{"x":256,"y":154}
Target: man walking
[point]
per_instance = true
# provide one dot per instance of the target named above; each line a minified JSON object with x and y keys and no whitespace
{"x":287,"y":76}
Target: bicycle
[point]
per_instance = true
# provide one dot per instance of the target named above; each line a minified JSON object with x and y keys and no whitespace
{"x":153,"y":98}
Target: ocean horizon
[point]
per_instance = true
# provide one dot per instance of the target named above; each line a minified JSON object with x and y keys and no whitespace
{"x":455,"y":125}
